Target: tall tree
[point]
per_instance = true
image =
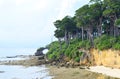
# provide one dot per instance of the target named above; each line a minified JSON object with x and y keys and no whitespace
{"x":81,"y":18}
{"x":112,"y":12}
{"x":59,"y":33}
{"x":68,"y":25}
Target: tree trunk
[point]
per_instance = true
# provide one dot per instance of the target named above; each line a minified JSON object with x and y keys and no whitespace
{"x":90,"y":30}
{"x":60,"y":44}
{"x":100,"y":27}
{"x":111,"y":29}
{"x":77,"y":34}
{"x":82,"y":33}
{"x":66,"y":38}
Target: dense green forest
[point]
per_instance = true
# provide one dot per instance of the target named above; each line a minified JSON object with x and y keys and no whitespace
{"x":94,"y":25}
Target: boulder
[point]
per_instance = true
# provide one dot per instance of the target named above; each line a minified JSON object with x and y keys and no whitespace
{"x":38,"y":53}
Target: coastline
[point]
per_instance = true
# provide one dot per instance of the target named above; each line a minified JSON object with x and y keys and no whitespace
{"x":27,"y":68}
{"x":75,"y":73}
{"x":27,"y":61}
{"x":78,"y":72}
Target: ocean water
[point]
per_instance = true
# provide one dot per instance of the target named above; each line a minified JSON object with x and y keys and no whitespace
{"x":20,"y":72}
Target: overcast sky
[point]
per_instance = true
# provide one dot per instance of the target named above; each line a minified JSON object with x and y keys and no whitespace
{"x":29,"y":23}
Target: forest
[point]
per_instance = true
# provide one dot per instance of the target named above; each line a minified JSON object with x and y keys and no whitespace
{"x":94,"y":25}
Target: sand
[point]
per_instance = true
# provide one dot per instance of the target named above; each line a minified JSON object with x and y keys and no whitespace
{"x":106,"y":70}
{"x":75,"y":73}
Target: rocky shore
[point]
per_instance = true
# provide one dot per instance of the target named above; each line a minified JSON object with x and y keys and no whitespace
{"x":60,"y":70}
{"x":27,"y":61}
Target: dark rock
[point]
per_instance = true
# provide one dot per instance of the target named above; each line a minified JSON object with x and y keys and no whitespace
{"x":2,"y":71}
{"x":39,"y":53}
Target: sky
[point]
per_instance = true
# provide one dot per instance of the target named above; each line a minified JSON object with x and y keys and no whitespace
{"x":29,"y":23}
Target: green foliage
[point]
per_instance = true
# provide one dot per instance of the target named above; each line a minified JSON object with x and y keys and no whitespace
{"x":72,"y":51}
{"x":85,"y":44}
{"x":104,"y":42}
{"x":107,"y":12}
{"x":52,"y":56}
{"x":116,"y":45}
{"x":95,"y":19}
{"x":77,"y":59}
{"x":53,"y":52}
{"x":117,"y":22}
{"x":72,"y":48}
{"x":40,"y":49}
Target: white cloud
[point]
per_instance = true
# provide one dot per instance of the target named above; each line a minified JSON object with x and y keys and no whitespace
{"x":66,"y":7}
{"x":1,"y":2}
{"x":31,"y":21}
{"x":34,"y":4}
{"x":19,"y":2}
{"x":41,"y":5}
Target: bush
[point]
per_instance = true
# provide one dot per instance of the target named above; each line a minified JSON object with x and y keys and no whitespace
{"x":88,"y":44}
{"x":85,"y":44}
{"x":117,"y":22}
{"x":52,"y":56}
{"x":72,"y":51}
{"x":77,"y":59}
{"x":104,"y":42}
{"x":117,"y":46}
{"x":54,"y":51}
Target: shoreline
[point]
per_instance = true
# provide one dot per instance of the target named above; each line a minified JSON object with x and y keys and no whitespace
{"x":27,"y":61}
{"x":114,"y":72}
{"x":76,"y":73}
{"x":79,"y":72}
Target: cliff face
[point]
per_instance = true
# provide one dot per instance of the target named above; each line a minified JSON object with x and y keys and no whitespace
{"x":109,"y":57}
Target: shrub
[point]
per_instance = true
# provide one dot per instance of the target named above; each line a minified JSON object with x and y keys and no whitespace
{"x":88,"y":44}
{"x":117,"y":22}
{"x":104,"y":42}
{"x":117,"y":46}
{"x":85,"y":44}
{"x":77,"y":59}
{"x":52,"y":56}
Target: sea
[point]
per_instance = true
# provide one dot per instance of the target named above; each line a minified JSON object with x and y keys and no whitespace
{"x":18,"y":71}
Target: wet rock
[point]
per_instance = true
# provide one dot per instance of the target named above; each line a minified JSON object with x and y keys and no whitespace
{"x":2,"y":71}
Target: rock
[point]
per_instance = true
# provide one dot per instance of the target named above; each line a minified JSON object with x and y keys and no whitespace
{"x":62,"y":64}
{"x":2,"y":71}
{"x":81,"y":67}
{"x":39,"y":53}
{"x":53,"y":63}
{"x":76,"y":64}
{"x":67,"y":64}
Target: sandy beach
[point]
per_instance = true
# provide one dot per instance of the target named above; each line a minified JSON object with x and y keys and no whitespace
{"x":114,"y":72}
{"x":75,"y":73}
